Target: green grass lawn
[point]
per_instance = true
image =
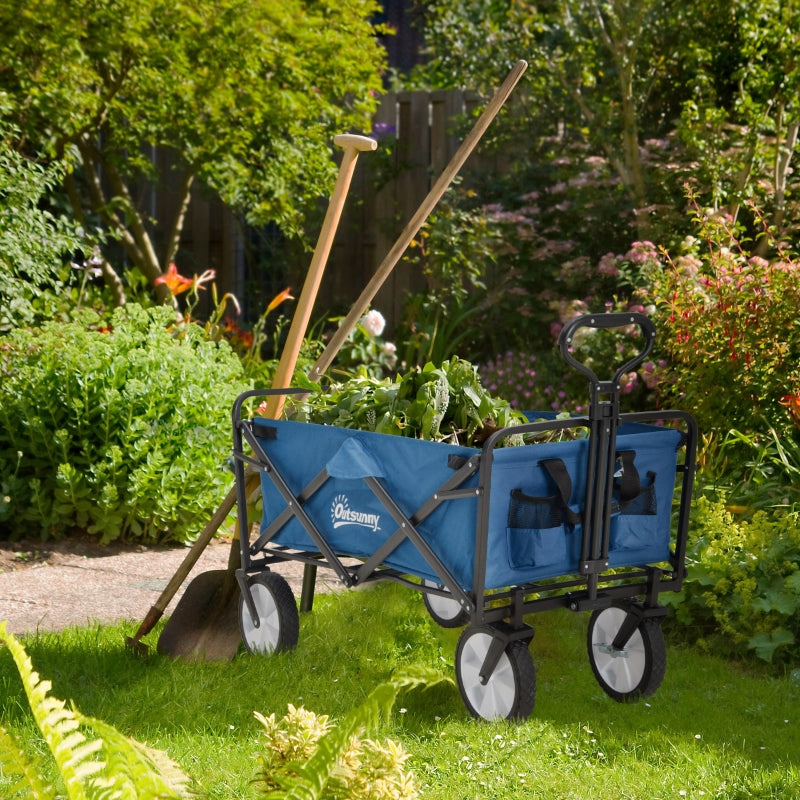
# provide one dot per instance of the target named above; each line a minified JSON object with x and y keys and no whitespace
{"x":714,"y":730}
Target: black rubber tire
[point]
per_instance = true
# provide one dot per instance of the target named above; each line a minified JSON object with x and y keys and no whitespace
{"x":446,"y":612}
{"x":638,"y":669}
{"x":279,"y":627}
{"x":510,"y":692}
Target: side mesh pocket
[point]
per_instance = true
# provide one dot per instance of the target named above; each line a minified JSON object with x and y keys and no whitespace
{"x":539,"y":528}
{"x":536,"y":531}
{"x":633,"y":525}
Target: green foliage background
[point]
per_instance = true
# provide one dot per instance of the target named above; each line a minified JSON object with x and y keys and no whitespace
{"x":743,"y":585}
{"x":34,"y":242}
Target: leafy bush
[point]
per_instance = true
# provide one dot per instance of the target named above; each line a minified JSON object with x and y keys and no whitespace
{"x":730,"y":318}
{"x":743,"y":586}
{"x":533,"y":382}
{"x":122,"y":431}
{"x":455,"y":314}
{"x":34,"y":243}
{"x":544,"y":381}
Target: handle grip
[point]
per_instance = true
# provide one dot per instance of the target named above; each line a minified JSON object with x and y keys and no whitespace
{"x":355,"y":142}
{"x":606,"y":321}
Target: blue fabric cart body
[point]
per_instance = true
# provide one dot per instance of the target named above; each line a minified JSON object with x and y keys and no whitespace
{"x":534,"y":523}
{"x":590,"y":514}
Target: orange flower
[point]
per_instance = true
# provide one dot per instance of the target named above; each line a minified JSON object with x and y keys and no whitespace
{"x":175,"y":282}
{"x":278,"y":299}
{"x":792,"y":402}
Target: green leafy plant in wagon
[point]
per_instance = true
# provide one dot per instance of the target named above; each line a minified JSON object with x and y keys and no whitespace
{"x":119,"y":430}
{"x":438,"y":403}
{"x":92,"y":758}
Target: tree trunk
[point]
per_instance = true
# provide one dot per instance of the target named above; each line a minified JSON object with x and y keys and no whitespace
{"x":131,"y":229}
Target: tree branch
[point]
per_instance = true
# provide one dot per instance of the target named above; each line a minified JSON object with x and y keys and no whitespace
{"x":112,"y":280}
{"x":173,"y":241}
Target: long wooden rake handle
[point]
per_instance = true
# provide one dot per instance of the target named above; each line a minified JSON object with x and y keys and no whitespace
{"x":418,"y":220}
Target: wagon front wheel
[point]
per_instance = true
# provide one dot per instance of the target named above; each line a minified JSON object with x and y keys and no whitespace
{"x":510,"y":691}
{"x":634,"y":670}
{"x":445,"y":611}
{"x":278,"y":621}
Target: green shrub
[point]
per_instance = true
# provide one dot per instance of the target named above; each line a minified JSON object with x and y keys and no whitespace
{"x":729,"y":318}
{"x":34,"y":243}
{"x":455,"y":314}
{"x":121,"y":431}
{"x":545,"y":382}
{"x":743,"y":585}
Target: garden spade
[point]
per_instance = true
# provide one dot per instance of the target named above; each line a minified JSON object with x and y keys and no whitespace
{"x":205,"y":624}
{"x":171,"y":641}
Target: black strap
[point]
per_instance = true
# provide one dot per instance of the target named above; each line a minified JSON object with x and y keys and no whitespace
{"x":630,"y":489}
{"x":629,"y":483}
{"x":266,"y":431}
{"x":557,"y":470}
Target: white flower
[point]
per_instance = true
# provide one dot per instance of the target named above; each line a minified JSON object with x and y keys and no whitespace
{"x":373,"y":322}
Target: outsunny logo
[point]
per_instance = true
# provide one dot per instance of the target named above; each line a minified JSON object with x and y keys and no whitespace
{"x":342,"y":514}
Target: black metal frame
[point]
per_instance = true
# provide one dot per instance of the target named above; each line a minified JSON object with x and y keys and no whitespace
{"x":595,"y":586}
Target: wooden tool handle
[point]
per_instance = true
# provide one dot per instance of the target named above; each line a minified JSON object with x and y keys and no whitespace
{"x":416,"y":222}
{"x":353,"y":145}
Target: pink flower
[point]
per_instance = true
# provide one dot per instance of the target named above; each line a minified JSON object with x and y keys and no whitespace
{"x":373,"y":322}
{"x":608,"y":265}
{"x":641,"y":252}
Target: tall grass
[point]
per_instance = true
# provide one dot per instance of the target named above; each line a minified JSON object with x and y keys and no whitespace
{"x":715,"y":729}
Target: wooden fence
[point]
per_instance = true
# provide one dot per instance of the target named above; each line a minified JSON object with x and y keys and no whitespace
{"x":424,"y":125}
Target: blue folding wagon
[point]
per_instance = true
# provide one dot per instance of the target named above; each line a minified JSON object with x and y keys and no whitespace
{"x":489,"y":535}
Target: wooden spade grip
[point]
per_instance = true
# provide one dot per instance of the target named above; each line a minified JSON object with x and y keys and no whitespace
{"x":353,"y":145}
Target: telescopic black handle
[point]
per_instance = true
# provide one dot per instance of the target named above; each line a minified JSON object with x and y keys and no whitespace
{"x":617,"y":320}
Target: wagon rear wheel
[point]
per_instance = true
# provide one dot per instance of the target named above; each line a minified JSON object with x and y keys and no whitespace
{"x":633,"y":671}
{"x":510,"y":691}
{"x":444,"y":611}
{"x":278,"y":621}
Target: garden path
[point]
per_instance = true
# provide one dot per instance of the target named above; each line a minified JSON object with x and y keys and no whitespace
{"x":49,"y":586}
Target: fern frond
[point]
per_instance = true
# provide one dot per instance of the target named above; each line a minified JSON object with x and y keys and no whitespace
{"x":15,"y":764}
{"x":58,"y":725}
{"x":109,"y":765}
{"x":133,"y":770}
